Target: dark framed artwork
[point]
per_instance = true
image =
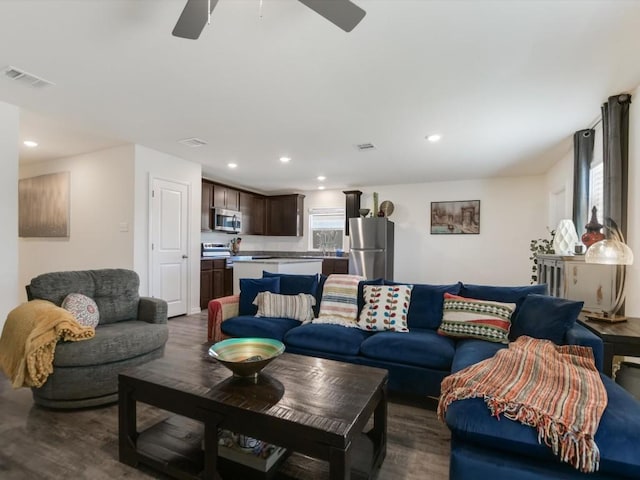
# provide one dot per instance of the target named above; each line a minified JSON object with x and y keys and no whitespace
{"x":459,"y":217}
{"x":43,"y":206}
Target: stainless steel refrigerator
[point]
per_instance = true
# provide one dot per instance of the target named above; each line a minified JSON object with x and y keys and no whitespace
{"x":371,"y":242}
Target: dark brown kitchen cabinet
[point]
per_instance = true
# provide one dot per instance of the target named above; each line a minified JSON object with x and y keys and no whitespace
{"x":335,"y":265}
{"x":352,"y":207}
{"x":285,"y":215}
{"x":207,"y":202}
{"x":225,"y":197}
{"x":216,"y":280}
{"x":252,"y":209}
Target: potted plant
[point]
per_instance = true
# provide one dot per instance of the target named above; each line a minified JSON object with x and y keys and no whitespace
{"x":536,"y":247}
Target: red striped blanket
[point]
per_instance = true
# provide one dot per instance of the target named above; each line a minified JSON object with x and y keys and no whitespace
{"x":555,"y":389}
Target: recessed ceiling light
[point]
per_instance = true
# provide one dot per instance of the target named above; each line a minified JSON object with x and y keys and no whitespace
{"x":30,"y":143}
{"x":434,"y":138}
{"x":322,"y":178}
{"x":321,"y":187}
{"x":285,"y":159}
{"x":232,"y":165}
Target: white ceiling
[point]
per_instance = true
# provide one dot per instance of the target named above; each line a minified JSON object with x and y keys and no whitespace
{"x":506,"y":83}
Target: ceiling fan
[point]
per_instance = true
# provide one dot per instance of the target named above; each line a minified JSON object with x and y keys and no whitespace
{"x":342,"y":13}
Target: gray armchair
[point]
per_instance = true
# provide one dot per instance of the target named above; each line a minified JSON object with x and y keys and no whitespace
{"x":132,"y":330}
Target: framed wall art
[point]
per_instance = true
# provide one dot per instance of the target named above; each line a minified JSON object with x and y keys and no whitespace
{"x":43,"y":206}
{"x":459,"y":217}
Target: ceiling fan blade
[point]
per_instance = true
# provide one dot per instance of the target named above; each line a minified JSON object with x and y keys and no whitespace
{"x":342,"y":13}
{"x":193,"y":19}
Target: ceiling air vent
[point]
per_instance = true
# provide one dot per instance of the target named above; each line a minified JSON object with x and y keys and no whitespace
{"x":26,"y":78}
{"x":192,"y":142}
{"x":363,"y":147}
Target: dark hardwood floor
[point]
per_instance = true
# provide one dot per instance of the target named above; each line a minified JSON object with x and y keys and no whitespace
{"x":83,"y":444}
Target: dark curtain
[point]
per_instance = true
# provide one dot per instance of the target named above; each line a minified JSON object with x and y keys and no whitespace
{"x":615,"y":127}
{"x":582,"y":157}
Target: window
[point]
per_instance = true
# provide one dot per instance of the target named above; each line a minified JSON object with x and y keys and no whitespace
{"x":326,"y":228}
{"x":596,"y":172}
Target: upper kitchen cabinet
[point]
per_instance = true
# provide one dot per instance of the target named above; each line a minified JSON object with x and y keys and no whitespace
{"x":207,"y":203}
{"x":352,"y":210}
{"x":285,"y":215}
{"x":252,"y":207}
{"x":225,"y":197}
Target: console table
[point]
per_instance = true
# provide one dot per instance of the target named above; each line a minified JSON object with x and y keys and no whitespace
{"x":568,"y":276}
{"x":618,"y":339}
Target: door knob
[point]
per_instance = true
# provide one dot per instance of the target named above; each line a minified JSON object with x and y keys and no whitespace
{"x":185,"y":256}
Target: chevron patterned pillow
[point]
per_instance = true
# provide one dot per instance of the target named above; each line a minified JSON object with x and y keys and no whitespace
{"x":470,"y":318}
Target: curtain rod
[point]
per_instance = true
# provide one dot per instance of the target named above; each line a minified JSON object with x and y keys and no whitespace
{"x":595,"y":123}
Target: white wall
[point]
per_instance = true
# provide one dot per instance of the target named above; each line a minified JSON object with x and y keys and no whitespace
{"x":151,"y":164}
{"x":513,"y":211}
{"x":9,"y":284}
{"x":101,"y":201}
{"x":559,"y":193}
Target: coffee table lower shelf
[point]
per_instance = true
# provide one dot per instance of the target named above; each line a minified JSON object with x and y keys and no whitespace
{"x":174,"y":447}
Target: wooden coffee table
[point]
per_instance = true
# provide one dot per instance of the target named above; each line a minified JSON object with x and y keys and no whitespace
{"x":316,"y":407}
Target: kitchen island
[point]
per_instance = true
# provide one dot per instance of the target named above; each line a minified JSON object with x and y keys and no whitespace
{"x":253,"y":267}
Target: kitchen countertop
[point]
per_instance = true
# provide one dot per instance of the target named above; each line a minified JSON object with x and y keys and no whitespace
{"x":280,"y":260}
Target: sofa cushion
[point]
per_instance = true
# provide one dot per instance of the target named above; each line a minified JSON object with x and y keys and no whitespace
{"x":116,"y":294}
{"x":298,"y":307}
{"x":293,"y":284}
{"x":542,"y":316}
{"x":83,"y":309}
{"x":470,"y":351}
{"x":507,"y":294}
{"x":473,"y":318}
{"x":420,"y":347}
{"x":115,"y":291}
{"x":319,"y":290}
{"x":250,"y":326}
{"x":249,"y":289}
{"x":112,"y":343}
{"x":385,"y":308}
{"x":425,"y":309}
{"x":616,"y":437}
{"x":327,"y":338}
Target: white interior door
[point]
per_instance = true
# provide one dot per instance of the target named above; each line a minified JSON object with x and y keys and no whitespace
{"x":169,"y":244}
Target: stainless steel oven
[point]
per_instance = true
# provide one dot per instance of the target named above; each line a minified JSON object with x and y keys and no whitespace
{"x":227,"y":220}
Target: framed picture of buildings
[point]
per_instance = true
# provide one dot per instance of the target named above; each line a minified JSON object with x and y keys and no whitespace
{"x":43,"y":206}
{"x":458,"y":217}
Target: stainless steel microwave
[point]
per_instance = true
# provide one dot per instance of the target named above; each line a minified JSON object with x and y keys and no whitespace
{"x":227,"y":220}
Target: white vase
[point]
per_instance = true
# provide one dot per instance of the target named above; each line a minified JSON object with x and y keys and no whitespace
{"x":565,"y":238}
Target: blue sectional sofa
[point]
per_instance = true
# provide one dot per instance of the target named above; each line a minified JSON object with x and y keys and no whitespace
{"x":420,"y":359}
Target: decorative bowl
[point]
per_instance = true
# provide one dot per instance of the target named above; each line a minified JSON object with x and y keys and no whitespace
{"x":246,"y":357}
{"x":364,"y":212}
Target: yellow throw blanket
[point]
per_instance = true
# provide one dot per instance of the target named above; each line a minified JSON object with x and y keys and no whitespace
{"x":29,"y":338}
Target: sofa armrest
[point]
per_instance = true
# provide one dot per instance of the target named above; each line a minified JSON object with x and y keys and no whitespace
{"x":152,"y":310}
{"x":579,"y":335}
{"x":221,"y":309}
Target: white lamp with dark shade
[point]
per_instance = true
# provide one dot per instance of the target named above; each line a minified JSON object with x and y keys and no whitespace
{"x":611,"y":252}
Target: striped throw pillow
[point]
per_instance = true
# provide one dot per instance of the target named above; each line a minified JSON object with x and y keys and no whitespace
{"x":471,"y":318}
{"x":297,"y":307}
